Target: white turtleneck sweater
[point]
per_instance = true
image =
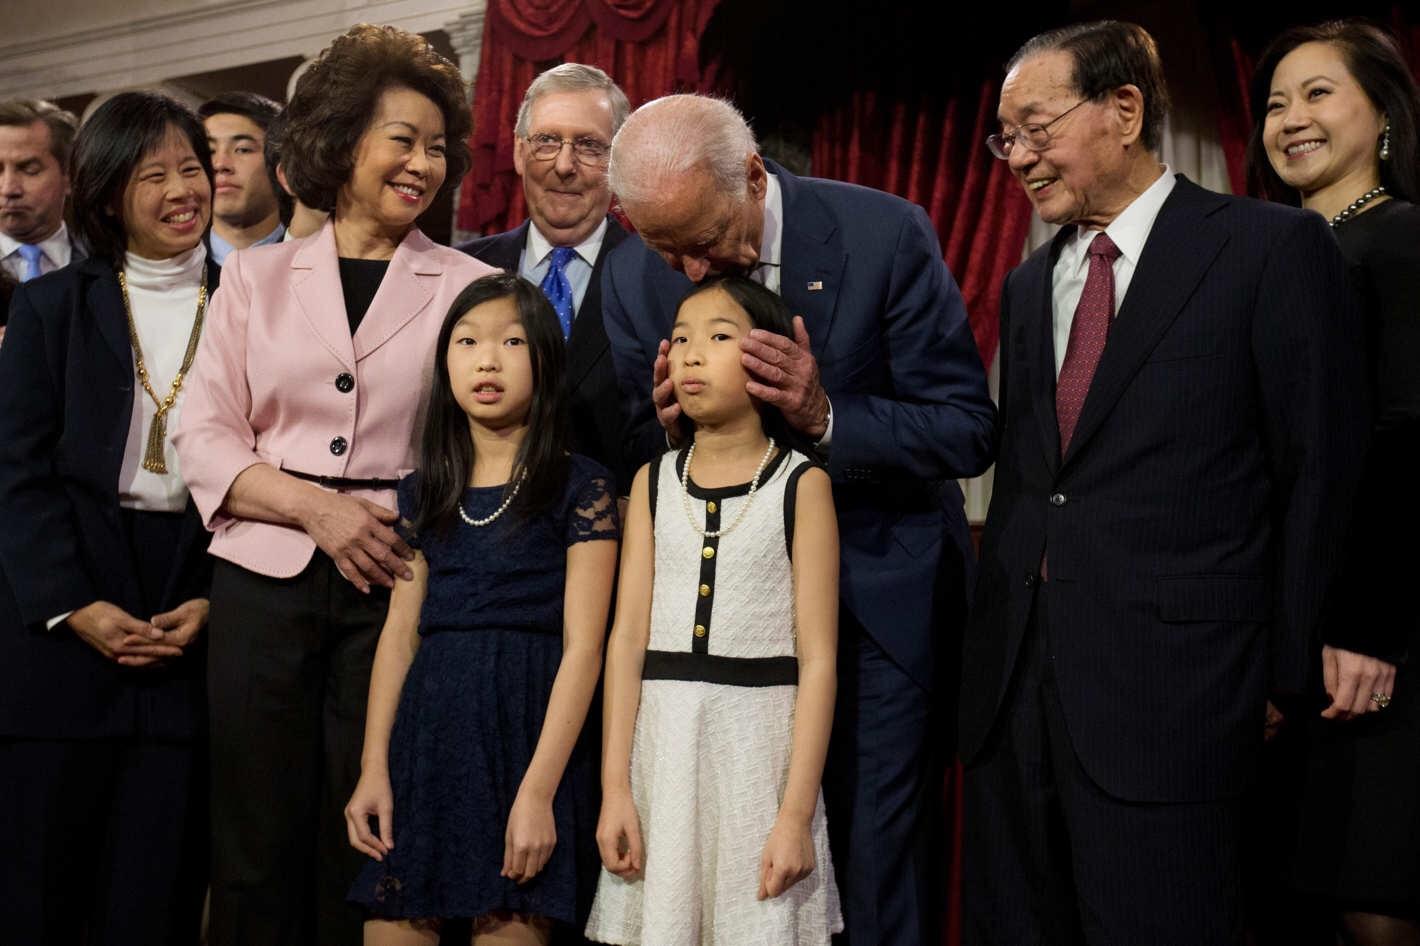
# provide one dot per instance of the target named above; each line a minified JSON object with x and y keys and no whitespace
{"x":163,"y":294}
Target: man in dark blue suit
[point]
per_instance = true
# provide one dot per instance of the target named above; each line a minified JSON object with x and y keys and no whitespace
{"x":1182,"y":416}
{"x":562,"y":141}
{"x":885,"y":380}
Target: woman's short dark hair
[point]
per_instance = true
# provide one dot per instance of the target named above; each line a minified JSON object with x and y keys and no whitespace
{"x":445,"y":448}
{"x":335,"y":100}
{"x":766,"y":310}
{"x":109,"y":146}
{"x":1374,"y":59}
{"x":1108,"y":54}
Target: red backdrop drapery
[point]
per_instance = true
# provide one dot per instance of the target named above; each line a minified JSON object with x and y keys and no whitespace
{"x":934,"y":154}
{"x":650,"y":47}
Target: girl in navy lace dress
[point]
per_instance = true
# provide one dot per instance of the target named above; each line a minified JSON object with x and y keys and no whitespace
{"x":476,"y":793}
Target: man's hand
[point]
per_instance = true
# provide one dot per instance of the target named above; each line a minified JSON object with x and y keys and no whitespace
{"x":663,"y":394}
{"x":1351,"y":680}
{"x":784,"y":373}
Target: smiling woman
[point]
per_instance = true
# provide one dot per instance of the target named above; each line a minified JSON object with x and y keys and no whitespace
{"x":103,"y":576}
{"x":1336,"y":117}
{"x":304,"y":400}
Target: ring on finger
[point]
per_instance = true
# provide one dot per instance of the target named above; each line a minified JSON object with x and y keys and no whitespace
{"x":1382,"y":700}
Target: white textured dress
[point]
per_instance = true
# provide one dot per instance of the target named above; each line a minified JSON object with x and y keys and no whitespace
{"x":710,"y":756}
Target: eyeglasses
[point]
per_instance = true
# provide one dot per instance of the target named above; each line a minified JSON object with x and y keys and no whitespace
{"x":1032,"y":136}
{"x":588,"y":151}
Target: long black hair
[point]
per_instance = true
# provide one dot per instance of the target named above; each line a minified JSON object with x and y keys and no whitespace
{"x":110,"y":145}
{"x":445,"y":447}
{"x":766,"y":311}
{"x":1375,"y":61}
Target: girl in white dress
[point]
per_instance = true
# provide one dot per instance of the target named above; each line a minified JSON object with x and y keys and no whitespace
{"x":720,"y":671}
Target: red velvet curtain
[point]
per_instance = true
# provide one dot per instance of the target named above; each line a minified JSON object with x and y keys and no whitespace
{"x":649,"y":47}
{"x":934,"y":154}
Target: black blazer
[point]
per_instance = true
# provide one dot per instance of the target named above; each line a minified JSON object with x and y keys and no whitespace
{"x":67,"y":386}
{"x":1195,"y":519}
{"x":597,"y":415}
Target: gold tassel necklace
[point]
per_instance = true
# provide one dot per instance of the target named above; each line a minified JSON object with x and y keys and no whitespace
{"x":154,"y":460}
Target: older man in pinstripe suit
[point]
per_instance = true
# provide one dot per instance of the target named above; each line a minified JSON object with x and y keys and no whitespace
{"x":1182,"y":417}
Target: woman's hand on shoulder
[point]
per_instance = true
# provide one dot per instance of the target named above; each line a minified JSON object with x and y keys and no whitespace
{"x":619,"y":836}
{"x":120,"y":636}
{"x":372,"y":798}
{"x":182,"y":624}
{"x":530,"y":838}
{"x":359,"y":536}
{"x":788,"y":856}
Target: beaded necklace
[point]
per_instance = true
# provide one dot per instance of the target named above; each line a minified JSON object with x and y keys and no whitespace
{"x":749,"y":497}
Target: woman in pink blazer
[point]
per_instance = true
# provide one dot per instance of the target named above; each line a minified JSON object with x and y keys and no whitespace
{"x":300,"y":418}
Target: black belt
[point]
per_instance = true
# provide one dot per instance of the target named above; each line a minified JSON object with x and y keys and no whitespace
{"x":712,"y":668}
{"x":344,"y":482}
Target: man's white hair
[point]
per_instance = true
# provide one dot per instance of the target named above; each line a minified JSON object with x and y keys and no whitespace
{"x":669,"y":137}
{"x":573,"y":77}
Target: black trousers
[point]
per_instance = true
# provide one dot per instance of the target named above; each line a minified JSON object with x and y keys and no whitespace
{"x":288,"y":677}
{"x":1050,"y":858}
{"x":883,"y":782}
{"x":104,"y":842}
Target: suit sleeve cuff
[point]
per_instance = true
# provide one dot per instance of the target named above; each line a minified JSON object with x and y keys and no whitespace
{"x":54,"y":622}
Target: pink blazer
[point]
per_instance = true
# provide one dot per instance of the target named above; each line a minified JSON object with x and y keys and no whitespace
{"x":271,"y":381}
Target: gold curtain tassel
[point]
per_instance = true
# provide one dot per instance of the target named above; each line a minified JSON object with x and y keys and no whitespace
{"x":154,"y":459}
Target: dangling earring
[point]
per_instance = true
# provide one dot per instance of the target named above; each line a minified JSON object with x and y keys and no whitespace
{"x":1385,"y":143}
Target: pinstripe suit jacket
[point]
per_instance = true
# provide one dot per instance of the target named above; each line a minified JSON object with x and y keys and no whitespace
{"x":1193,"y":523}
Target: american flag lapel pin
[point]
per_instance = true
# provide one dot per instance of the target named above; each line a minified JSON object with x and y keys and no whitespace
{"x":816,"y":285}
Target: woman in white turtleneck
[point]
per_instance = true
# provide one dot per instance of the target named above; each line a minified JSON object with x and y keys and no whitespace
{"x":103,"y":573}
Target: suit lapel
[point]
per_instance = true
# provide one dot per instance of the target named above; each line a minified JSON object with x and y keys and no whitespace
{"x":104,"y":301}
{"x":408,"y":287}
{"x":505,"y":251}
{"x":1181,"y":248}
{"x":315,"y":282}
{"x":588,"y":342}
{"x":1037,"y":307}
{"x":812,"y":259}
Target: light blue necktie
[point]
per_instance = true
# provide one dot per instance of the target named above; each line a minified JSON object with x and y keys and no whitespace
{"x":558,"y":288}
{"x":31,"y":254}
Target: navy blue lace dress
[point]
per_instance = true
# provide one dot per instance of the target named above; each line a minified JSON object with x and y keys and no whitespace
{"x":472,"y":709}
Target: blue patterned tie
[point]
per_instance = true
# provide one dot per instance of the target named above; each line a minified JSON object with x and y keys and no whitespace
{"x":31,"y":254}
{"x":558,"y":288}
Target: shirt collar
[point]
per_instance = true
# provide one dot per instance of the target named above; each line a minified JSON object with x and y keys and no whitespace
{"x":56,"y":246}
{"x":539,"y":246}
{"x":1130,"y":229}
{"x":221,"y":249}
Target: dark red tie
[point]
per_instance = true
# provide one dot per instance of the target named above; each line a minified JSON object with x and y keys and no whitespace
{"x":1087,"y":337}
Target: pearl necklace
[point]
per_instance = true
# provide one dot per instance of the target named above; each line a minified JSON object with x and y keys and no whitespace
{"x":1357,"y":204}
{"x":497,"y":512}
{"x":749,"y":497}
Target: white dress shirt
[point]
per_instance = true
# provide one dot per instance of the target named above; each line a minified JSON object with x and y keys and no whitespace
{"x":771,"y":240}
{"x":537,"y":260}
{"x":56,"y":250}
{"x":1129,"y":231}
{"x":221,"y":249}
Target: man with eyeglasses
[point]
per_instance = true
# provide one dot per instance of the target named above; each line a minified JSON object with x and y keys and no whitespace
{"x":1182,"y":418}
{"x":561,"y":145}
